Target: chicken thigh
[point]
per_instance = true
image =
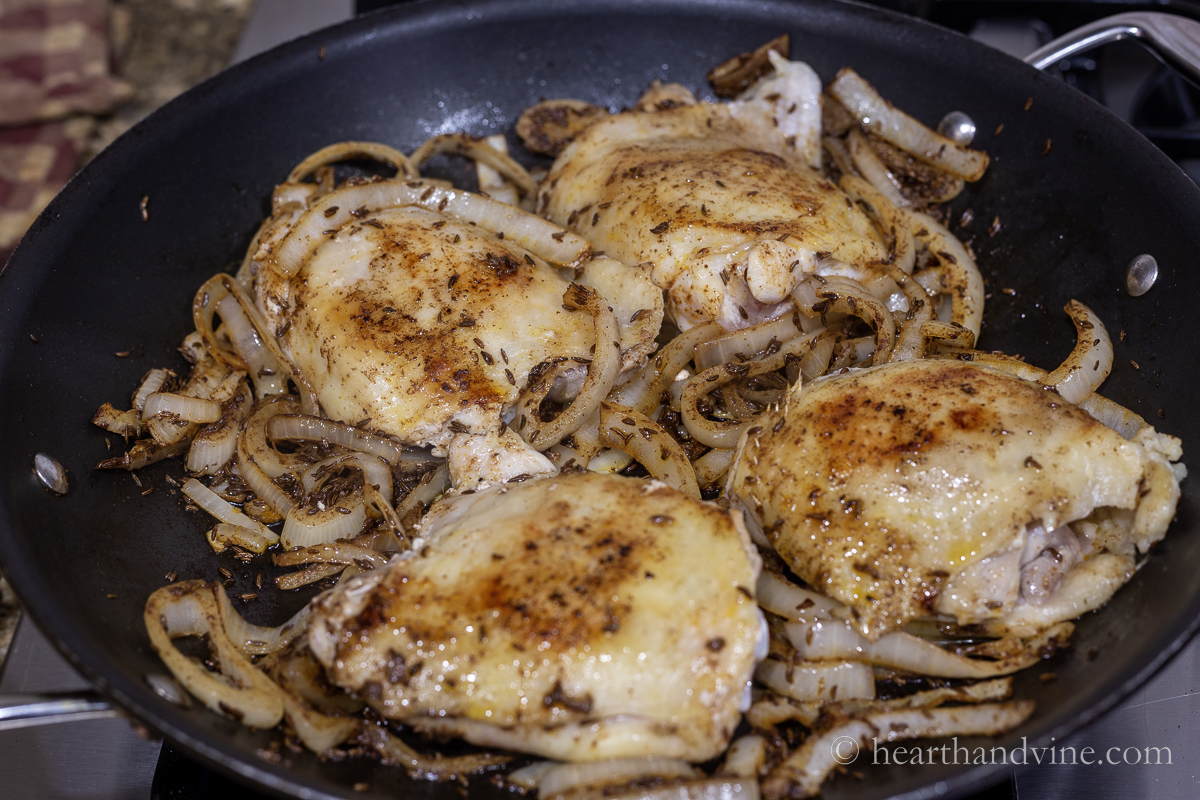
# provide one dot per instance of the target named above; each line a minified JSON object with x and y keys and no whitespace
{"x":581,"y":617}
{"x":723,"y":200}
{"x":429,"y":326}
{"x":937,"y":486}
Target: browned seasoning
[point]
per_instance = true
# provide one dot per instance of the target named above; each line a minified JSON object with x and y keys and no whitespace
{"x":145,"y":211}
{"x":1046,"y":147}
{"x":999,"y":128}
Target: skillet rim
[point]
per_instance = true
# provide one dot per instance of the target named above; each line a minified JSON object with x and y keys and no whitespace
{"x":79,"y":648}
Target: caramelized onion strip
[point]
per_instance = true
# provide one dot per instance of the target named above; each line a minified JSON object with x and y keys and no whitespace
{"x":1089,"y":362}
{"x":712,"y":466}
{"x":887,"y":217}
{"x":421,"y":766}
{"x":644,"y":392}
{"x":308,"y":397}
{"x":624,"y":429}
{"x":346,"y":151}
{"x":476,"y":150}
{"x":258,"y":446}
{"x":317,"y":429}
{"x":556,"y":245}
{"x":725,"y":434}
{"x":211,"y":502}
{"x":817,"y":680}
{"x":332,"y":553}
{"x":257,"y":640}
{"x":959,"y":278}
{"x":872,"y":168}
{"x":883,"y":119}
{"x":262,"y":367}
{"x":824,"y":640}
{"x":747,"y":342}
{"x":803,"y":772}
{"x":849,"y":297}
{"x":602,"y":373}
{"x":190,"y":608}
{"x":204,"y":306}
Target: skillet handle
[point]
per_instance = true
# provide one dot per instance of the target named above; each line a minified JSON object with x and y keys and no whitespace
{"x":1175,"y":39}
{"x":29,"y":710}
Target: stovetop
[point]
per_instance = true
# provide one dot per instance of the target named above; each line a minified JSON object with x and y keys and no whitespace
{"x":107,"y":759}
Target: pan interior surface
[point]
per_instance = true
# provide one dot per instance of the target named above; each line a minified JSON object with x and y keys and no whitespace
{"x":92,"y":279}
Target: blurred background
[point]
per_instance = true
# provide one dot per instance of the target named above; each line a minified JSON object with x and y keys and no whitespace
{"x":76,"y":74}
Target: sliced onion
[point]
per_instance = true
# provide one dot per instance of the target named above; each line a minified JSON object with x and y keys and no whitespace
{"x":316,"y":429}
{"x":531,"y":232}
{"x":879,"y":116}
{"x":819,"y":680}
{"x":375,"y":472}
{"x":910,"y":344}
{"x":712,"y":466}
{"x":491,"y":182}
{"x":569,"y":777}
{"x":1089,"y":362}
{"x":255,"y":477}
{"x":610,"y":461}
{"x":256,"y":640}
{"x":478,"y":150}
{"x":255,"y":441}
{"x":142,"y":454}
{"x":189,"y":608}
{"x":189,"y":409}
{"x":298,"y":673}
{"x":606,"y":363}
{"x":893,"y":224}
{"x":303,"y":577}
{"x":747,"y":342}
{"x":530,"y":776}
{"x":814,"y":363}
{"x":817,"y":641}
{"x":803,"y":772}
{"x":264,"y":371}
{"x":432,"y":484}
{"x":216,"y":444}
{"x":152,"y":383}
{"x":711,"y":789}
{"x":771,"y":710}
{"x":623,"y":428}
{"x":1115,"y":416}
{"x":208,"y":500}
{"x":204,"y":306}
{"x":225,"y":535}
{"x":794,"y":603}
{"x":725,"y":434}
{"x":421,"y":766}
{"x":319,"y":732}
{"x":308,"y":397}
{"x":304,"y":529}
{"x":868,"y":162}
{"x":745,"y":757}
{"x":345,"y":151}
{"x":851,"y":297}
{"x":333,"y":553}
{"x":122,"y":423}
{"x":395,"y":540}
{"x":949,"y":333}
{"x":960,"y":277}
{"x":644,"y":391}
